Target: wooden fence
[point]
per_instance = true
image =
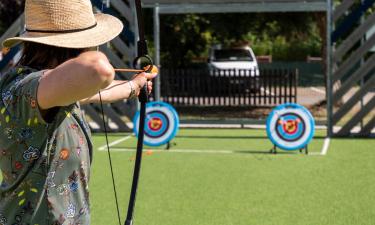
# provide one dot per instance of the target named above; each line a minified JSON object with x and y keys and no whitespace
{"x":201,"y":87}
{"x":353,"y":65}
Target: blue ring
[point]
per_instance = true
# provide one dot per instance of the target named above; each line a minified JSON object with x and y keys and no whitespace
{"x":175,"y":117}
{"x":295,"y":106}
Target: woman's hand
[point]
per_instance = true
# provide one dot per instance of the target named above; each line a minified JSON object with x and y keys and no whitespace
{"x":140,"y":80}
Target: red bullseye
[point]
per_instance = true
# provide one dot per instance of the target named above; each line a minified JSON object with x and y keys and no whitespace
{"x":155,"y":124}
{"x":291,"y":126}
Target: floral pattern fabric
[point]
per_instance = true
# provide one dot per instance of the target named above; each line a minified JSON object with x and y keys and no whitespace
{"x":45,"y":165}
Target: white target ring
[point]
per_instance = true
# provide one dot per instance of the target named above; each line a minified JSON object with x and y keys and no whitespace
{"x":161,"y":123}
{"x":290,"y":126}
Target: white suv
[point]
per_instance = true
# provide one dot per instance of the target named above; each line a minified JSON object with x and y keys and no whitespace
{"x":232,"y":62}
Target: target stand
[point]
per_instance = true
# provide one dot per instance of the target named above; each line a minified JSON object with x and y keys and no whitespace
{"x":169,"y":145}
{"x":274,"y":149}
{"x":290,"y":127}
{"x":161,"y":124}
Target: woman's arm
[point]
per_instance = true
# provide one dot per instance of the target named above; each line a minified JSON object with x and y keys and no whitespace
{"x":74,"y":80}
{"x":119,"y":90}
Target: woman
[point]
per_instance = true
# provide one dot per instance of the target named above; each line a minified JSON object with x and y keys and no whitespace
{"x":45,"y":146}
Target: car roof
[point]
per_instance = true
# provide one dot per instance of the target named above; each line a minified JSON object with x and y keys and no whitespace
{"x":229,"y":47}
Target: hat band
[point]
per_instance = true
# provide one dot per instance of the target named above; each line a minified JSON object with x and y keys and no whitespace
{"x":62,"y":31}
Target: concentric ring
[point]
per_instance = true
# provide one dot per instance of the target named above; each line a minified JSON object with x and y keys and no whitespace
{"x":290,"y":126}
{"x":161,"y":124}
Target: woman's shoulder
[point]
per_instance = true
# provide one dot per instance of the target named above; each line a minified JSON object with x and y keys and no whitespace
{"x":16,"y":74}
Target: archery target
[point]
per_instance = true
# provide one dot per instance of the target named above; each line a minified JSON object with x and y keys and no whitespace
{"x":290,"y":126}
{"x":161,"y":123}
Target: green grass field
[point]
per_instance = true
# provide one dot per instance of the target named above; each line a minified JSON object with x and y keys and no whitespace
{"x":246,"y":187}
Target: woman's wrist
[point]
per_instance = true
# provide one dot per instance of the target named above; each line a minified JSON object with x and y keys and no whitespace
{"x":132,"y":90}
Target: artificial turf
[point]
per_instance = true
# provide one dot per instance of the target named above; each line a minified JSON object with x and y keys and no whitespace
{"x":247,"y":187}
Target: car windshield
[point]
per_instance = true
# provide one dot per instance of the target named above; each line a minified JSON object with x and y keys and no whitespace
{"x":232,"y":55}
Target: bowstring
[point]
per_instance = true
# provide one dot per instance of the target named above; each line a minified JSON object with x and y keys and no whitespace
{"x":107,"y":142}
{"x":110,"y":158}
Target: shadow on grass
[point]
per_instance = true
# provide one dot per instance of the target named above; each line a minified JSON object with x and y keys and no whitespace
{"x":232,"y":137}
{"x":250,"y":152}
{"x":113,"y":134}
{"x":267,"y":152}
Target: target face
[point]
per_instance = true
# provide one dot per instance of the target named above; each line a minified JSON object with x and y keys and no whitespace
{"x":161,"y":124}
{"x":290,"y":126}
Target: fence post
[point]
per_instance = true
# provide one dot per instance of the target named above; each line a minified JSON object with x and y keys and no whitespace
{"x":296,"y":85}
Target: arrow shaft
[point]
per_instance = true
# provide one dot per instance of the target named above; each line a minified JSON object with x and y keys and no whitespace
{"x":129,"y":70}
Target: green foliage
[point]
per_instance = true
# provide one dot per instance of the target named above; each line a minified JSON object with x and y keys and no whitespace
{"x":285,"y":36}
{"x":182,"y":38}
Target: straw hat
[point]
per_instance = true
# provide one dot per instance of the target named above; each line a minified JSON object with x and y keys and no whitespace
{"x":67,"y":23}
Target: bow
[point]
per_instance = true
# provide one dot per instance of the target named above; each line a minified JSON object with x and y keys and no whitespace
{"x":142,"y":60}
{"x":143,"y":98}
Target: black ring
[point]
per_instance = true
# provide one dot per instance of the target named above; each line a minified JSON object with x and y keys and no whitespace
{"x":294,"y":139}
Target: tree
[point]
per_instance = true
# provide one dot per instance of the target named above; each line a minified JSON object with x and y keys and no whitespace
{"x":183,"y":38}
{"x":286,"y":36}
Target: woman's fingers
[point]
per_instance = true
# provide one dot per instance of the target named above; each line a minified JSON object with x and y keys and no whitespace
{"x":153,"y":73}
{"x":143,"y":79}
{"x":149,"y":87}
{"x":150,"y":76}
{"x":154,"y":69}
{"x":141,"y":82}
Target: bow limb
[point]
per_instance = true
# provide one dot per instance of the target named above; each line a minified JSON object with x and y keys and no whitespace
{"x":143,"y":98}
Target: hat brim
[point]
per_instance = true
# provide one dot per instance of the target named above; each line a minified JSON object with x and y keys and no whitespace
{"x":108,"y":27}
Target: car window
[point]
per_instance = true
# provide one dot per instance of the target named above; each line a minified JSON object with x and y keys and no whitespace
{"x":232,"y":55}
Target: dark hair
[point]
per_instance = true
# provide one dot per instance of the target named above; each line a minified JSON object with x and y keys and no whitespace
{"x":40,"y":56}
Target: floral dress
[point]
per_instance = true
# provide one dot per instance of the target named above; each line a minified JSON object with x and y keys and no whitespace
{"x":45,"y":165}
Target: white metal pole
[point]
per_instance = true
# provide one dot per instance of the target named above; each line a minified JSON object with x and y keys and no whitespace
{"x":157,"y":50}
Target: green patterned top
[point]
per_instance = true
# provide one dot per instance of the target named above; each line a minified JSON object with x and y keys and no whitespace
{"x":45,"y":165}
